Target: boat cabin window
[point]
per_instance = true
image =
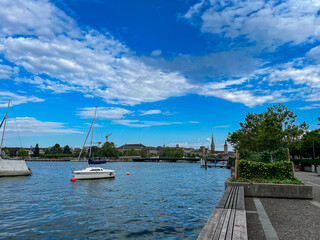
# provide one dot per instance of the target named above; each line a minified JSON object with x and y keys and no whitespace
{"x":95,"y":170}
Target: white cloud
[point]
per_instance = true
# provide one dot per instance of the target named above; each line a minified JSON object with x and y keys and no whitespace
{"x":104,"y":112}
{"x":41,"y":39}
{"x":150,"y":112}
{"x":194,"y":10}
{"x":156,"y":53}
{"x":312,"y":106}
{"x":308,"y":75}
{"x":7,"y":71}
{"x":296,"y":80}
{"x":78,"y":60}
{"x":16,"y":99}
{"x":193,"y":122}
{"x":139,"y":124}
{"x":268,"y":23}
{"x":223,"y":126}
{"x":33,"y":17}
{"x":240,"y":96}
{"x":27,"y":126}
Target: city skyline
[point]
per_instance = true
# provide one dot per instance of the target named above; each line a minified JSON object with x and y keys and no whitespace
{"x":160,"y":72}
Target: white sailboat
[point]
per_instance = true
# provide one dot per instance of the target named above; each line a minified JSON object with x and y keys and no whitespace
{"x":10,"y":167}
{"x":92,"y":172}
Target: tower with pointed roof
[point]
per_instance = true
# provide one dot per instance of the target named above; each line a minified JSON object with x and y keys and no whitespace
{"x":213,"y":147}
{"x":225,"y":147}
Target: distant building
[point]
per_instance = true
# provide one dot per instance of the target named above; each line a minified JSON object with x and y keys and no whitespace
{"x":225,"y":147}
{"x":127,"y":147}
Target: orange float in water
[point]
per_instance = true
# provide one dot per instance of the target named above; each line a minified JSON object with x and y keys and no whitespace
{"x":72,"y":179}
{"x":128,"y":173}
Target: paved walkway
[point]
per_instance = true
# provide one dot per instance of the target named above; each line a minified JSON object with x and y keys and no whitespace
{"x":286,"y":219}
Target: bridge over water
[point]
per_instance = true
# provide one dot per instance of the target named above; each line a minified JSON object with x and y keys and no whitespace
{"x":211,"y":162}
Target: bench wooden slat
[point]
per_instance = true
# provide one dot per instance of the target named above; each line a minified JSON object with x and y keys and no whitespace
{"x":226,"y":225}
{"x":224,"y":198}
{"x":231,"y":223}
{"x":228,"y":220}
{"x":220,"y":225}
{"x":240,"y":226}
{"x":211,"y":225}
{"x":234,"y":204}
{"x":240,"y":201}
{"x":230,"y":198}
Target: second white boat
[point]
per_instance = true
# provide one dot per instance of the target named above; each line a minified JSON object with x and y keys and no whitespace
{"x":93,"y":173}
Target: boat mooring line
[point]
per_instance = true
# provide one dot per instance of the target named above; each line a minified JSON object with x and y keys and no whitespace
{"x":313,"y":184}
{"x":268,"y":229}
{"x":316,"y":204}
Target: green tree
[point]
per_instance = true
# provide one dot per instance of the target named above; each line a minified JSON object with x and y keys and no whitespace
{"x":143,"y":153}
{"x":172,"y":152}
{"x":268,"y":131}
{"x":36,"y":151}
{"x":66,"y":149}
{"x":22,"y":152}
{"x":108,"y":149}
{"x":56,"y":149}
{"x":132,"y":152}
{"x":94,"y":150}
{"x":310,"y":144}
{"x":6,"y":152}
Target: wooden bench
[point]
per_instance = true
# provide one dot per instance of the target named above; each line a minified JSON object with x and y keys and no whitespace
{"x":228,"y":220}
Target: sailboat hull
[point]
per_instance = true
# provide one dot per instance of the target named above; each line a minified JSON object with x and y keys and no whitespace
{"x":11,"y":168}
{"x":93,"y":173}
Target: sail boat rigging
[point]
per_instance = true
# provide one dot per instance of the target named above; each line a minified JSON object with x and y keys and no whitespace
{"x":92,"y":172}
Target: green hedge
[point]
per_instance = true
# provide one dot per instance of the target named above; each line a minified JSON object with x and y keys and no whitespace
{"x":307,"y":162}
{"x":258,"y":170}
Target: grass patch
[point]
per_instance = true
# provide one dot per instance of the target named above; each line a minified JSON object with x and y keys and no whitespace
{"x":263,"y":180}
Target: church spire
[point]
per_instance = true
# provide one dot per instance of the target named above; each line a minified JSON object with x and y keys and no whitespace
{"x":212,"y":145}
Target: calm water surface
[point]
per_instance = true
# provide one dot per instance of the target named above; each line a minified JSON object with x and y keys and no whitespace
{"x":157,"y":201}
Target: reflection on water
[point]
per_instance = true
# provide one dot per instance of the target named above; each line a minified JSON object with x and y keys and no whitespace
{"x":157,"y":201}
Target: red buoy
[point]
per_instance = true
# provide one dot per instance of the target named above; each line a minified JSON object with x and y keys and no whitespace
{"x":128,"y":173}
{"x":72,"y":179}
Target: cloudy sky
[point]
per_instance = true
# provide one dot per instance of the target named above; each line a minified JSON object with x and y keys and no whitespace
{"x":160,"y":71}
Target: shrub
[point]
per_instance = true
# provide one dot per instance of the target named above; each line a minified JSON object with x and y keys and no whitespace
{"x":280,"y":154}
{"x":254,"y":170}
{"x":307,"y":162}
{"x":264,"y":157}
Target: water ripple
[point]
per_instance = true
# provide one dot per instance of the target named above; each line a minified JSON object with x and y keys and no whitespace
{"x":157,"y":201}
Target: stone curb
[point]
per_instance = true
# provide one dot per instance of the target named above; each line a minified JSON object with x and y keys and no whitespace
{"x":271,"y":190}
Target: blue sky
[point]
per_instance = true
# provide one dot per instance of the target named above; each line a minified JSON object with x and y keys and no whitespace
{"x":160,"y":72}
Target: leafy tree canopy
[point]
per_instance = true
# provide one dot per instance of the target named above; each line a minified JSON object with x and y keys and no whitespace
{"x":66,"y":149}
{"x":310,"y":144}
{"x":268,"y":131}
{"x":56,"y":149}
{"x":22,"y":152}
{"x":172,"y":152}
{"x":36,"y":150}
{"x":108,"y":150}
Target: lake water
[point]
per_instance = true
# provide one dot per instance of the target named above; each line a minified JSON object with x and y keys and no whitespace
{"x":157,"y":201}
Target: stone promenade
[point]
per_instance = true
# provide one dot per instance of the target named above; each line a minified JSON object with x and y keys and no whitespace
{"x":285,"y":219}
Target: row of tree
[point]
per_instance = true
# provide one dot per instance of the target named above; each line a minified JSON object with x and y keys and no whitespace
{"x":271,"y":132}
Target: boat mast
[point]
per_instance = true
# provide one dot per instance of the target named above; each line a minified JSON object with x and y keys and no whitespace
{"x":86,"y":139}
{"x":94,"y":118}
{"x":4,"y":126}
